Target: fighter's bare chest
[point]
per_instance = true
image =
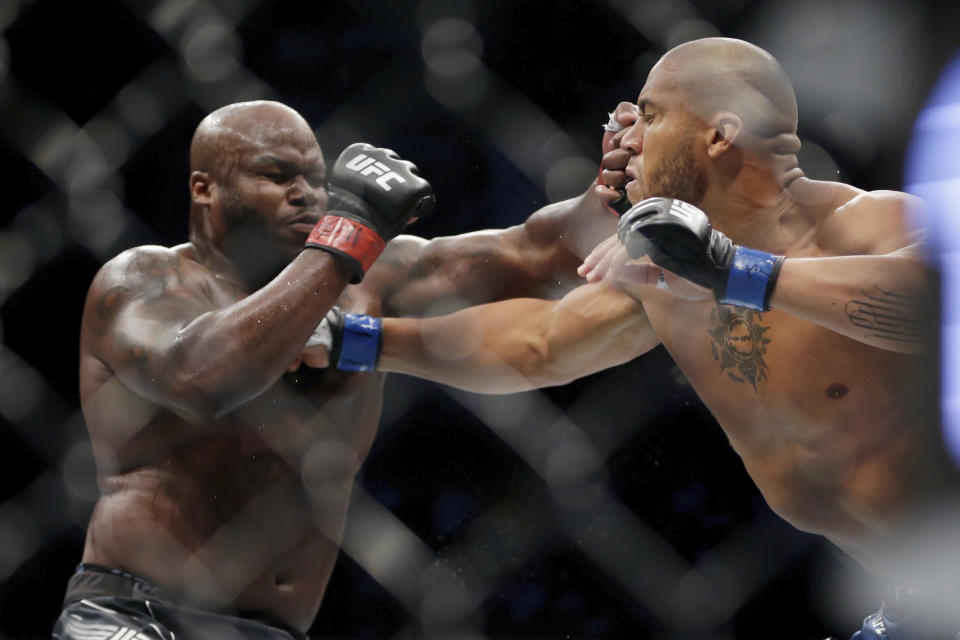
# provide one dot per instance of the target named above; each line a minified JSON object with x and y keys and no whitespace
{"x":745,"y":362}
{"x":308,"y":406}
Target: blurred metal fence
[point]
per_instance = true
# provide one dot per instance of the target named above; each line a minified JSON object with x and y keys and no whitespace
{"x":869,"y":89}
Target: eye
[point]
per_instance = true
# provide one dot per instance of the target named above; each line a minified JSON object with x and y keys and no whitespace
{"x":647,"y":117}
{"x":276,"y":177}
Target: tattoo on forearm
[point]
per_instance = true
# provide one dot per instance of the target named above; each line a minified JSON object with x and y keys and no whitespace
{"x":887,"y":315}
{"x":739,"y":344}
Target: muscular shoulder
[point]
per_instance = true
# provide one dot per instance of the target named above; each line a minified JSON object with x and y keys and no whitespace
{"x":159,"y":277}
{"x":143,"y":271}
{"x":870,"y":223}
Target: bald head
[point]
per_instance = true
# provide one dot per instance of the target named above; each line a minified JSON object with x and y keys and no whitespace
{"x":257,"y":125}
{"x":724,"y":74}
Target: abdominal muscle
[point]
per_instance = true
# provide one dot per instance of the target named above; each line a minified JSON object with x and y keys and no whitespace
{"x":226,"y":526}
{"x":821,"y":426}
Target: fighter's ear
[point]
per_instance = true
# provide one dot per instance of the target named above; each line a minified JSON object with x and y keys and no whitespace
{"x":726,"y":127}
{"x":201,"y":187}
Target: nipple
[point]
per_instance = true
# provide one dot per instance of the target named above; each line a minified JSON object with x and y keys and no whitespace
{"x":837,"y":390}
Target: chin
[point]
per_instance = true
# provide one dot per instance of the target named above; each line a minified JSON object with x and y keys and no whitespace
{"x":291,"y":250}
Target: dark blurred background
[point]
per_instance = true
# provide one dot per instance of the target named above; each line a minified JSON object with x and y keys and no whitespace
{"x":609,"y":508}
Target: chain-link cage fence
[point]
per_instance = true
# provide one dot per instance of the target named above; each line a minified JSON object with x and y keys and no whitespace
{"x":612,"y":507}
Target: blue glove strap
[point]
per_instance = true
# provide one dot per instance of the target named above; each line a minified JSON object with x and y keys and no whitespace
{"x":360,"y":348}
{"x":749,"y":277}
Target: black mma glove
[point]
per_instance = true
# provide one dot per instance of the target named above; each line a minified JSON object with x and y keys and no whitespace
{"x":373,"y":194}
{"x":353,"y":340}
{"x":678,"y":237}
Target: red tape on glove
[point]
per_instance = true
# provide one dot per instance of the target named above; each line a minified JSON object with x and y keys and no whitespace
{"x":350,"y":237}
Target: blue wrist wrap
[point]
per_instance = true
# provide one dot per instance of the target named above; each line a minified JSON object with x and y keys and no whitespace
{"x":751,"y":278}
{"x":360,"y":348}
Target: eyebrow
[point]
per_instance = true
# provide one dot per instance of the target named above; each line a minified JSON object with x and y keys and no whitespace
{"x":643,"y":103}
{"x":267,"y":159}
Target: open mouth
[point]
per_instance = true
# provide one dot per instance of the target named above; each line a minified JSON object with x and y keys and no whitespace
{"x":634,"y":190}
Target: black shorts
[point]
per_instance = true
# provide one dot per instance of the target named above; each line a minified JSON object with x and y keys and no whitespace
{"x":906,"y":616}
{"x":106,"y":604}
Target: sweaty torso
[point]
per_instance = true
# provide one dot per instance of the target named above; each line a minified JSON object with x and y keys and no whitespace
{"x":818,"y":418}
{"x":242,"y":513}
{"x":813,"y":415}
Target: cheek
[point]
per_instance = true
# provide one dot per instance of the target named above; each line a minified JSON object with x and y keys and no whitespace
{"x":657,"y":141}
{"x":250,"y":202}
{"x":263,"y":196}
{"x":265,"y":192}
{"x":661,"y":146}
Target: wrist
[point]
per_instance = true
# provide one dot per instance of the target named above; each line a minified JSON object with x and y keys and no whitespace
{"x":360,"y":343}
{"x":751,"y":279}
{"x":349,"y":239}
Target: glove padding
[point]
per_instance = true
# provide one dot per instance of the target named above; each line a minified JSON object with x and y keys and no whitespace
{"x":678,"y":237}
{"x":353,"y":340}
{"x":373,"y":194}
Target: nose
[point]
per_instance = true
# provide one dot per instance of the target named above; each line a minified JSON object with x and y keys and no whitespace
{"x":632,"y":139}
{"x":301,"y":193}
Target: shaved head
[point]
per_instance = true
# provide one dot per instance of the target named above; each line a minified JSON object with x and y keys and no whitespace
{"x":255,"y":167}
{"x":255,"y":125}
{"x":724,"y":74}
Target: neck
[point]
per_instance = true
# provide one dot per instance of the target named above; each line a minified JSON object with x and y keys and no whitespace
{"x":240,"y":252}
{"x":755,"y":208}
{"x":210,"y":255}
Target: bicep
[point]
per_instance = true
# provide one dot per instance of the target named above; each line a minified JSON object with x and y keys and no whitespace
{"x":133,"y":325}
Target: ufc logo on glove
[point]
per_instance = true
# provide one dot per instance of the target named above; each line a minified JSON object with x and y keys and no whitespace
{"x":684,"y":211}
{"x":366,"y":165}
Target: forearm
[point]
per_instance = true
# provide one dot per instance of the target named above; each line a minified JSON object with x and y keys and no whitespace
{"x":537,"y":259}
{"x":520,"y":344}
{"x":227,"y":356}
{"x":880,"y":300}
{"x":589,"y":223}
{"x":455,"y":350}
{"x":875,"y":290}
